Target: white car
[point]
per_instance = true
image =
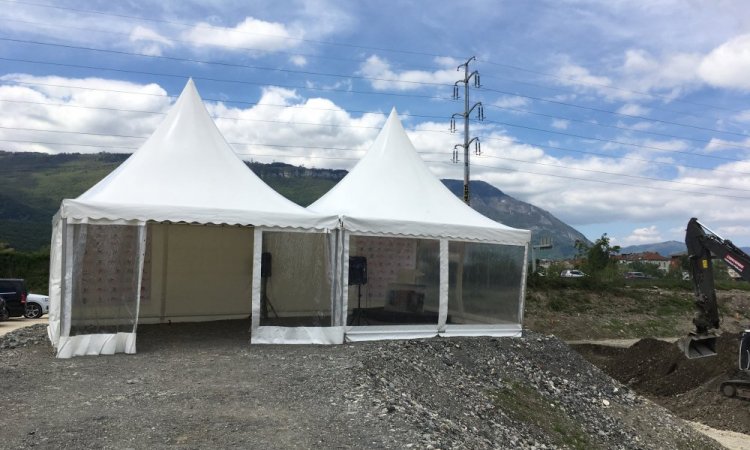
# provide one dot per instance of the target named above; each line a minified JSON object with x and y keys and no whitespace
{"x":572,"y":273}
{"x":37,"y":305}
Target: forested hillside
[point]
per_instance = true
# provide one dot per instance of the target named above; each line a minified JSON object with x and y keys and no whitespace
{"x":32,"y":186}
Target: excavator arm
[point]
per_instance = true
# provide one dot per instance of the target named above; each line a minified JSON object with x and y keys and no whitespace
{"x":704,"y":245}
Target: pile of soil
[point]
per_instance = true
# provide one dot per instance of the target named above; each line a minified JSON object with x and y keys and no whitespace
{"x":204,"y":386}
{"x":688,"y":387}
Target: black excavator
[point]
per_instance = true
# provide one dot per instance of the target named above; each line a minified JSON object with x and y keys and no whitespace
{"x":704,"y":245}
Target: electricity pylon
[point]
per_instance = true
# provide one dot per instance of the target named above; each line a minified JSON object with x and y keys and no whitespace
{"x":465,"y":114}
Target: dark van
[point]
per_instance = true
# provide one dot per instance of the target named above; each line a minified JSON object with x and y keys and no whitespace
{"x":14,"y":292}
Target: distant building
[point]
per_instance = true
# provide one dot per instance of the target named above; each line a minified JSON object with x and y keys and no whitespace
{"x":662,"y":262}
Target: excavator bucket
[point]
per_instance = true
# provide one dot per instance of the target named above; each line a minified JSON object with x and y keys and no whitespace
{"x":698,"y":345}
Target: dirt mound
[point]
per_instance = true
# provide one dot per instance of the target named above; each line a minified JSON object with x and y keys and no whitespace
{"x":659,"y":368}
{"x":690,"y":388}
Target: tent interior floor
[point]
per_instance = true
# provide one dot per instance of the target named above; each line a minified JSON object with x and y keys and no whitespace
{"x":383,"y":316}
{"x":153,"y":337}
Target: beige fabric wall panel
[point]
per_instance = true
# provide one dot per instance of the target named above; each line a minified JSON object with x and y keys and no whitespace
{"x":199,"y":271}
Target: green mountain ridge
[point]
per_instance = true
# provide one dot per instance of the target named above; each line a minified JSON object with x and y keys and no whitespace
{"x":667,"y":248}
{"x":32,"y":186}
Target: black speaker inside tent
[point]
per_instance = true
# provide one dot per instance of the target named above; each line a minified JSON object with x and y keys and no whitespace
{"x":265,"y":264}
{"x":357,"y":270}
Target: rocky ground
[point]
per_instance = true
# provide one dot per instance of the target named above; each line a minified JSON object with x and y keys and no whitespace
{"x":202,"y":385}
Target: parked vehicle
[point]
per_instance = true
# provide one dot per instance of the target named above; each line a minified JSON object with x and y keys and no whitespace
{"x":14,"y":292}
{"x":572,"y":273}
{"x":3,"y":311}
{"x":37,"y":305}
{"x":636,"y":275}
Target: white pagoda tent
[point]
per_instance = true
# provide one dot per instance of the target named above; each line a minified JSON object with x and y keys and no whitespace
{"x":415,"y":260}
{"x":184,"y":231}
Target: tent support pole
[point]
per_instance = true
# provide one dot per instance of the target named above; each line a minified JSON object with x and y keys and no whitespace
{"x":524,"y":274}
{"x":65,"y":282}
{"x":257,"y":251}
{"x":444,"y":285}
{"x":164,"y":271}
{"x":460,"y":277}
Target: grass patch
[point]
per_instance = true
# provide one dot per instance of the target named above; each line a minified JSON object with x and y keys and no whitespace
{"x":525,"y":404}
{"x":570,"y":302}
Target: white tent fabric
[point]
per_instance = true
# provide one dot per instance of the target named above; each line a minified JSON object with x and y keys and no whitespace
{"x":392,"y":193}
{"x":184,"y":173}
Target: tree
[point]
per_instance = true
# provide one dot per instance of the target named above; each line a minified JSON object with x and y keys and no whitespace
{"x":599,"y":255}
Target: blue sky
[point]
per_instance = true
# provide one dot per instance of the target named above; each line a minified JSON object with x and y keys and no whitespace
{"x":619,"y":117}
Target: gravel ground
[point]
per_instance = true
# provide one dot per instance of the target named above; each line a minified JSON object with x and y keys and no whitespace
{"x":203,"y":386}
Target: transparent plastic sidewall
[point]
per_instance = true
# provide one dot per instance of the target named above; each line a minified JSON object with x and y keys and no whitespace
{"x":485,"y":283}
{"x":298,"y":289}
{"x":105,"y":279}
{"x":403,"y":282}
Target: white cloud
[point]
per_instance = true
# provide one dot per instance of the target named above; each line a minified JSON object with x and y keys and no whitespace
{"x":511,"y":102}
{"x":742,"y":116}
{"x":646,"y":235}
{"x":560,"y":124}
{"x":633,"y":109}
{"x":636,"y":76}
{"x":728,"y":65}
{"x":670,"y":74}
{"x":285,"y":126}
{"x":733,"y":230}
{"x":298,"y":60}
{"x":58,"y":105}
{"x":717,"y":144}
{"x":383,"y":77}
{"x":578,"y":75}
{"x":251,"y":33}
{"x":148,"y":41}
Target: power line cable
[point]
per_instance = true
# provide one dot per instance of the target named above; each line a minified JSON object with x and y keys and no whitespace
{"x":603,"y":172}
{"x":307,"y":147}
{"x":607,"y":111}
{"x":332,"y":43}
{"x":309,"y":55}
{"x":610,"y":156}
{"x":375,"y":112}
{"x":412,"y":95}
{"x":256,"y":104}
{"x":630,"y":144}
{"x":640,"y":186}
{"x":423,"y":116}
{"x":632,"y":116}
{"x":636,"y":130}
{"x":223,"y":63}
{"x":607,"y":86}
{"x":448,"y":163}
{"x":723,"y":158}
{"x":181,"y":41}
{"x":220,"y":80}
{"x":384,"y":93}
{"x":225,"y":29}
{"x":722,"y":144}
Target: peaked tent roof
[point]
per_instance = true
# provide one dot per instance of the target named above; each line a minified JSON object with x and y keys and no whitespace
{"x":392,"y":191}
{"x":186,"y":172}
